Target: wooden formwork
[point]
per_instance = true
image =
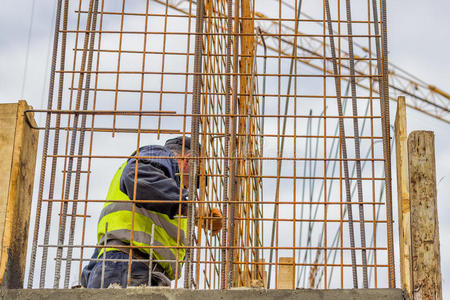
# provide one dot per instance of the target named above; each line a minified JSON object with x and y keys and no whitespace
{"x":18,"y":144}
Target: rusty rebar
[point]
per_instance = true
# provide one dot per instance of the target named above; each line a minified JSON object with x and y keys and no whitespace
{"x":357,"y":143}
{"x":45,"y":147}
{"x":149,"y":85}
{"x":195,"y":125}
{"x":343,"y":144}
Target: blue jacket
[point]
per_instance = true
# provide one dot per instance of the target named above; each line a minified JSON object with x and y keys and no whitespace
{"x":156,"y":180}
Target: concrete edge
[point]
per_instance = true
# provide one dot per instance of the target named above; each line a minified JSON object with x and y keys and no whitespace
{"x":176,"y":294}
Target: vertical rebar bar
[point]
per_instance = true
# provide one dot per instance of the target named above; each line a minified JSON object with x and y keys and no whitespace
{"x":387,"y":147}
{"x":343,"y":143}
{"x":383,"y":86}
{"x":55,"y":148}
{"x":233,"y":148}
{"x":224,"y":254}
{"x":357,"y":144}
{"x":195,"y":124}
{"x":63,"y":215}
{"x":37,"y":221}
{"x":81,"y":146}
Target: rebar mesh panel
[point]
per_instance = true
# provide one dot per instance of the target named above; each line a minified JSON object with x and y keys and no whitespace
{"x":293,"y":127}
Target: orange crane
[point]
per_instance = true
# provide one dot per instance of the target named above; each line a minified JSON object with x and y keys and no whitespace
{"x":421,"y":96}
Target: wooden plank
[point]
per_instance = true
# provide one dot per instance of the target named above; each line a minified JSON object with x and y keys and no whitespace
{"x":404,"y":205}
{"x":286,"y":273}
{"x":18,"y":202}
{"x":426,"y":262}
{"x":8,"y":115}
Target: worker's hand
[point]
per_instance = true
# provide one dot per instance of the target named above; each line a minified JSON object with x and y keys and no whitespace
{"x":217,"y":221}
{"x":211,"y":220}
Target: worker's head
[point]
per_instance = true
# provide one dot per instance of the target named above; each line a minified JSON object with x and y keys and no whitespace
{"x":176,"y":146}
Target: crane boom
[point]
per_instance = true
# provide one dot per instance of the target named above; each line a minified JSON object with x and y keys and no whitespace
{"x":421,"y":96}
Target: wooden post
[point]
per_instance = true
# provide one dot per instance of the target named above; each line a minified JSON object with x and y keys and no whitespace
{"x":426,"y":262}
{"x":404,"y":205}
{"x":259,"y":275}
{"x":18,"y":144}
{"x":286,"y":273}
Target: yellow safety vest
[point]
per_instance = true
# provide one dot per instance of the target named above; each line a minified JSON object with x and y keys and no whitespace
{"x":169,"y":233}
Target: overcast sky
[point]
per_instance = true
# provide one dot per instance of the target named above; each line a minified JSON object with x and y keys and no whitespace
{"x":419,"y":35}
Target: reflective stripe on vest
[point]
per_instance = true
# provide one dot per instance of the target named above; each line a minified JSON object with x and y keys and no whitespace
{"x":119,"y":216}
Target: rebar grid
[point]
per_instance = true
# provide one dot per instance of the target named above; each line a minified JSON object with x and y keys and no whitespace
{"x":289,"y":101}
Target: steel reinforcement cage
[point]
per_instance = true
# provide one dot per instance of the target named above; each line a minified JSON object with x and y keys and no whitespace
{"x":288,"y":101}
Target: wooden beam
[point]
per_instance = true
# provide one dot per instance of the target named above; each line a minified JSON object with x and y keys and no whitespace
{"x":426,"y":262}
{"x":18,"y":144}
{"x":286,"y":273}
{"x":404,"y":205}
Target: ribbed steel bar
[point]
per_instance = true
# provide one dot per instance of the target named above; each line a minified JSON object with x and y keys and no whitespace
{"x":55,"y":149}
{"x":63,"y":216}
{"x":343,"y":143}
{"x":226,"y":164}
{"x":195,"y":124}
{"x":81,"y":146}
{"x":382,"y":68}
{"x":38,"y":212}
{"x":357,"y":143}
{"x":233,"y":147}
{"x":91,"y":142}
{"x":387,"y":146}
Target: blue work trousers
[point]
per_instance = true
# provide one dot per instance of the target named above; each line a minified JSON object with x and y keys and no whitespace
{"x":116,"y":272}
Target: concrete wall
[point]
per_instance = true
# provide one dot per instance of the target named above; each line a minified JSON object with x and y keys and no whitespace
{"x":175,"y":294}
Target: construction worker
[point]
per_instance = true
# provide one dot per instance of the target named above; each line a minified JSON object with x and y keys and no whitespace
{"x":157,"y":179}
